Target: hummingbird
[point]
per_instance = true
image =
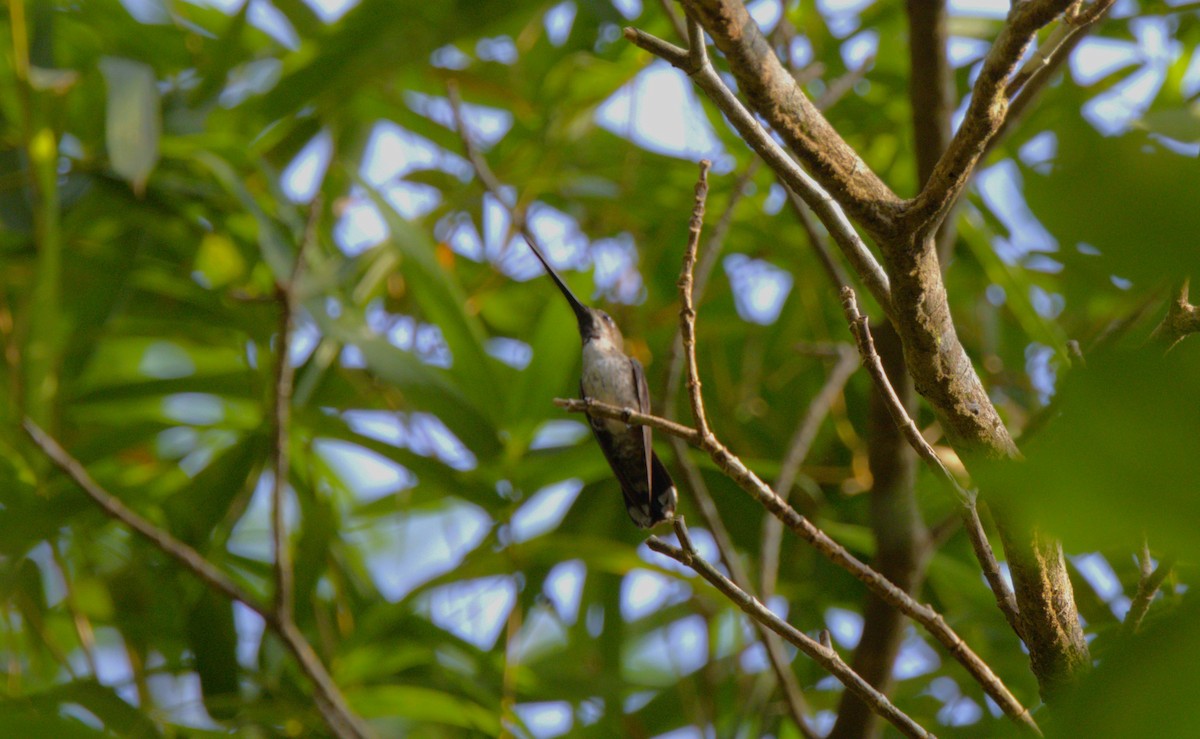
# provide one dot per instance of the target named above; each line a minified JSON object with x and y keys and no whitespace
{"x":610,"y":376}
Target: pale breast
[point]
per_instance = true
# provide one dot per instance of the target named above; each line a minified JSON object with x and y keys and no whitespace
{"x":608,"y":378}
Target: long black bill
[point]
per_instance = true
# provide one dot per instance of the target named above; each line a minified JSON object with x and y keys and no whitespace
{"x":582,"y":312}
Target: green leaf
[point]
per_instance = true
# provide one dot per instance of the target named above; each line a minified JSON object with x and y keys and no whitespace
{"x":555,"y":345}
{"x":1181,"y":124}
{"x":1118,"y":461}
{"x":424,"y":387}
{"x":423,"y":705}
{"x":1144,"y":686}
{"x":444,"y":303}
{"x":212,"y":639}
{"x":134,"y":123}
{"x":1121,"y":196}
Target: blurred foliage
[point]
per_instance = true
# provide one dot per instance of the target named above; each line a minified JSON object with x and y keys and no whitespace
{"x":149,"y":201}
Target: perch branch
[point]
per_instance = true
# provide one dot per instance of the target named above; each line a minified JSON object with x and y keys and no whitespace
{"x":696,"y":486}
{"x":737,"y":471}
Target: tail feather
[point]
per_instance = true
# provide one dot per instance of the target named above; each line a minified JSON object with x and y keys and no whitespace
{"x":649,"y":510}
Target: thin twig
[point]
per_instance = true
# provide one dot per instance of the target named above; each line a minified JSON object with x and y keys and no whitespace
{"x":1148,"y":585}
{"x":797,"y":452}
{"x":822,"y":654}
{"x":163,"y":541}
{"x":737,"y":471}
{"x":706,"y":262}
{"x":684,"y":352}
{"x":823,"y":205}
{"x":1005,"y":599}
{"x":687,"y":310}
{"x":285,"y":375}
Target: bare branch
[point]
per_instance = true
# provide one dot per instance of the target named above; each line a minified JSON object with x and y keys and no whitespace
{"x":797,"y":452}
{"x":984,"y":117}
{"x":696,"y":486}
{"x":966,"y":499}
{"x":334,"y":709}
{"x":873,"y":365}
{"x":773,"y":93}
{"x":822,"y":654}
{"x":737,"y":471}
{"x":630,"y":416}
{"x":687,"y":310}
{"x":706,"y":262}
{"x":823,"y":205}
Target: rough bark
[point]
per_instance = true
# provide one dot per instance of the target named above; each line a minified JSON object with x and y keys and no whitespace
{"x":937,"y":361}
{"x":773,"y":92}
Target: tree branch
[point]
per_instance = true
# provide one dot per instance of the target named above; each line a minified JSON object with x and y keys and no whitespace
{"x":902,"y":542}
{"x":966,"y":499}
{"x":917,"y":302}
{"x":796,"y":179}
{"x":687,"y":310}
{"x":772,"y":92}
{"x":737,"y":471}
{"x":706,"y":262}
{"x":984,"y":117}
{"x":778,"y":659}
{"x":822,"y":654}
{"x":342,"y":722}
